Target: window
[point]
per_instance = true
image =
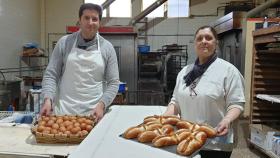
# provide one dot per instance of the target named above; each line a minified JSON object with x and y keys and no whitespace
{"x":99,"y":2}
{"x":178,"y":8}
{"x":120,"y":8}
{"x":159,"y":12}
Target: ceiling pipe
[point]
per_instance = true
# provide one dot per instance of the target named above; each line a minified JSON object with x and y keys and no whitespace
{"x":261,"y":8}
{"x":147,"y":11}
{"x":107,"y":3}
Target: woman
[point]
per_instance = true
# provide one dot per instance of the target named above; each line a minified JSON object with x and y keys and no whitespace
{"x":209,"y":91}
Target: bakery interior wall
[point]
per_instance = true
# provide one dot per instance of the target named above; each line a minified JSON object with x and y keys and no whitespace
{"x":37,"y":21}
{"x":59,"y":14}
{"x":20,"y":23}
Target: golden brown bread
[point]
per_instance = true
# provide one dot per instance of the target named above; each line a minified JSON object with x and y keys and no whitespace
{"x":162,"y":140}
{"x":148,"y":136}
{"x":188,"y":146}
{"x":184,"y":125}
{"x":192,"y":143}
{"x":210,"y":131}
{"x":183,"y":134}
{"x":173,"y":139}
{"x":160,"y":130}
{"x":133,"y":132}
{"x":200,"y":136}
{"x":172,"y":120}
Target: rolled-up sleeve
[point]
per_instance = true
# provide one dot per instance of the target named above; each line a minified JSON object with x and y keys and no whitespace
{"x":234,"y":87}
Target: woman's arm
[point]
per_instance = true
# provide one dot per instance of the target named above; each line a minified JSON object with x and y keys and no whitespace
{"x":171,"y":109}
{"x":235,"y":99}
{"x":224,"y":125}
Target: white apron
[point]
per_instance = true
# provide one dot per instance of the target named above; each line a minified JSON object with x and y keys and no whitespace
{"x":81,"y":85}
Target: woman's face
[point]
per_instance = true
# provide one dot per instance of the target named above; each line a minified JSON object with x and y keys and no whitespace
{"x":205,"y":43}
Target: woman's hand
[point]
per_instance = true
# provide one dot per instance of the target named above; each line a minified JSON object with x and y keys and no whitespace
{"x":98,"y":111}
{"x":223,"y":127}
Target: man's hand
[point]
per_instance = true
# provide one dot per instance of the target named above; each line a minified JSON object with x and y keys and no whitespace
{"x":223,"y":127}
{"x":47,"y":108}
{"x":98,"y":111}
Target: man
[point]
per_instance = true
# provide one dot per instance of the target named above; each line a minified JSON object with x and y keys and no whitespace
{"x":82,"y":76}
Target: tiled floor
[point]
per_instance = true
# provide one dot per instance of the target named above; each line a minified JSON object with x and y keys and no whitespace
{"x":242,"y":149}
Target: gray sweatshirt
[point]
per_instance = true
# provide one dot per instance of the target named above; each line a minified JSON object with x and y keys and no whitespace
{"x":56,"y":66}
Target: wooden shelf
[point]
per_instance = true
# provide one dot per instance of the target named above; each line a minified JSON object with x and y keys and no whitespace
{"x":34,"y":56}
{"x":29,"y":79}
{"x":269,"y":51}
{"x":271,"y":98}
{"x":32,"y":67}
{"x":265,"y":76}
{"x":265,"y":80}
{"x":265,"y":31}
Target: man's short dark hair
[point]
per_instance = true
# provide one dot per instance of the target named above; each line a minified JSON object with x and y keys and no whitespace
{"x":91,"y":6}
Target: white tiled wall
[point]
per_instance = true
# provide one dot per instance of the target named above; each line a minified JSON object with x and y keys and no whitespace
{"x":20,"y":23}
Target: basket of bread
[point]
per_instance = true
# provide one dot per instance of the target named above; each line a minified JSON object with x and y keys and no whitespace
{"x":163,"y":131}
{"x":62,"y":129}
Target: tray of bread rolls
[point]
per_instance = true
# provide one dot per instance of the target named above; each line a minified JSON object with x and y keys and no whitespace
{"x":172,"y":134}
{"x":62,"y":129}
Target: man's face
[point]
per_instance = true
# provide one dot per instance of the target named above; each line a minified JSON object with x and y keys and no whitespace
{"x":89,"y":22}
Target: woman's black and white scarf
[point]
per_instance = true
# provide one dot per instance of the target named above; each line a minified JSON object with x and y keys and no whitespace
{"x":198,"y":70}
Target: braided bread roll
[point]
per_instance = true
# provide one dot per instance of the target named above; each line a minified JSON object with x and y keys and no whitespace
{"x":167,"y":140}
{"x":159,"y":130}
{"x":192,"y":143}
{"x":172,"y":120}
{"x":184,"y":125}
{"x":148,"y":136}
{"x":133,"y":132}
{"x":210,"y":131}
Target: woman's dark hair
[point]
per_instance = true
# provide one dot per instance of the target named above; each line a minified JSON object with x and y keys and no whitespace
{"x":90,"y":6}
{"x":211,"y":29}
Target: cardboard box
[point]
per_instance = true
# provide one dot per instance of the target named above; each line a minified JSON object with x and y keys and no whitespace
{"x":262,"y":135}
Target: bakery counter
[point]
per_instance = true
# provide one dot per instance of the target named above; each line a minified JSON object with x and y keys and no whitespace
{"x":105,"y":141}
{"x":18,"y":142}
